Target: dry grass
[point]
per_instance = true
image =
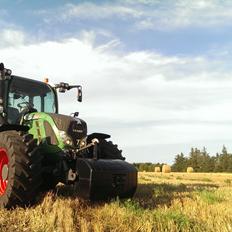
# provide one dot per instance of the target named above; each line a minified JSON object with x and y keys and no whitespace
{"x":163,"y":202}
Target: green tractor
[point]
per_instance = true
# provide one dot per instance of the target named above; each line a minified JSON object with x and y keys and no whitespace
{"x":40,"y":148}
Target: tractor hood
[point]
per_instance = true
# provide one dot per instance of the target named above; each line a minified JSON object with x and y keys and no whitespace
{"x":75,"y":128}
{"x":57,"y":127}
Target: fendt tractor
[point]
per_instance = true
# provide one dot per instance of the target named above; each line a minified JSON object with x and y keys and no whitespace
{"x":40,"y":148}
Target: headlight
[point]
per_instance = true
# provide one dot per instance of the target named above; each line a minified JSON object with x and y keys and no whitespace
{"x":82,"y":143}
{"x":68,"y":142}
{"x":66,"y":139}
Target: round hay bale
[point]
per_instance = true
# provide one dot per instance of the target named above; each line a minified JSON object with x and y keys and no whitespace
{"x":166,"y":168}
{"x":157,"y":169}
{"x":190,"y":170}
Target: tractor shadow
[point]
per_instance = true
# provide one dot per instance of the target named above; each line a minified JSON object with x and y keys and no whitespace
{"x":147,"y":196}
{"x":63,"y":192}
{"x":150,"y":196}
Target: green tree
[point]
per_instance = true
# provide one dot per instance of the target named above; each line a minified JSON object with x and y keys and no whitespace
{"x":225,"y":160}
{"x":180,"y":163}
{"x":195,"y":159}
{"x":205,"y":161}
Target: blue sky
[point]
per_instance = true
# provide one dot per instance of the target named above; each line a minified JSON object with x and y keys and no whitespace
{"x":43,"y":20}
{"x":156,"y":74}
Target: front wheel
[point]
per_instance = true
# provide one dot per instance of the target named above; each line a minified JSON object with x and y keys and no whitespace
{"x":108,"y":150}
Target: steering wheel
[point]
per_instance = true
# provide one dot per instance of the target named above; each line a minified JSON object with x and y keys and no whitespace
{"x":24,"y":106}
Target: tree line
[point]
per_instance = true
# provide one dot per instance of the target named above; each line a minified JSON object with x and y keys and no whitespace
{"x":198,"y":159}
{"x":201,"y":161}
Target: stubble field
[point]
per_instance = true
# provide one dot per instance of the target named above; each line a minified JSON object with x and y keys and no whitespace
{"x":163,"y":202}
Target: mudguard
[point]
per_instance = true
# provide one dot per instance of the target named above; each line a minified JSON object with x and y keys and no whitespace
{"x":105,"y":179}
{"x":7,"y":127}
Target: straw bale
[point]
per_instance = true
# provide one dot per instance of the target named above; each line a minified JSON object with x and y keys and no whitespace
{"x":190,"y":170}
{"x":166,"y":168}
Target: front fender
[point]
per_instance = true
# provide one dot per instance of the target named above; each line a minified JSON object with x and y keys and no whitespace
{"x":100,"y":136}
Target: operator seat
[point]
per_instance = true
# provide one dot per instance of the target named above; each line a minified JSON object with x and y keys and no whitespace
{"x":13,"y":115}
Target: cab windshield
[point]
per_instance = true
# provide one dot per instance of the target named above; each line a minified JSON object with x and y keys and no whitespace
{"x":29,"y":93}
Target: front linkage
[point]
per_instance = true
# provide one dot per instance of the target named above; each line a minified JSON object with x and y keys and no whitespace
{"x":97,"y":170}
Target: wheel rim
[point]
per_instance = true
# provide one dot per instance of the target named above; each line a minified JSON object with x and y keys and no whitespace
{"x":4,"y":162}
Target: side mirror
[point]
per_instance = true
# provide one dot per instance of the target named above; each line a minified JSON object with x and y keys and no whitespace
{"x":79,"y":94}
{"x":62,"y":87}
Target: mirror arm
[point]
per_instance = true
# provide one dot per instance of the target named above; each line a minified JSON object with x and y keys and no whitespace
{"x":74,"y":86}
{"x":65,"y":86}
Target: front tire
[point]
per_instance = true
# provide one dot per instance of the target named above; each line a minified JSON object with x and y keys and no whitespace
{"x":21,"y":175}
{"x":108,"y":150}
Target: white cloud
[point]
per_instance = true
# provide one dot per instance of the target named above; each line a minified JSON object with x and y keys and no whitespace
{"x":142,"y":98}
{"x":89,"y":10}
{"x":146,"y":14}
{"x":182,"y":14}
{"x":11,"y":38}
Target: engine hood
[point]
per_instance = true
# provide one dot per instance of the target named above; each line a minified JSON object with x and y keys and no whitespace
{"x":76,"y":128}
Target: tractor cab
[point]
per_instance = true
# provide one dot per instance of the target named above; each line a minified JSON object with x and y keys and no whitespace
{"x":20,"y":96}
{"x":27,"y":96}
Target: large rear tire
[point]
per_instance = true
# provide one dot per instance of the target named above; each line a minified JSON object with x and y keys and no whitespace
{"x":20,"y":173}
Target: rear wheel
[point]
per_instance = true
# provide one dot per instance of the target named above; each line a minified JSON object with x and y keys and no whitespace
{"x":4,"y":166}
{"x":20,"y":169}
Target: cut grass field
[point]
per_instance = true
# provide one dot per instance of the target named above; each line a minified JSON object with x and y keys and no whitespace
{"x":163,"y":202}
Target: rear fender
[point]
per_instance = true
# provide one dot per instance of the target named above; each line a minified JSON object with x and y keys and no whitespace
{"x":7,"y":127}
